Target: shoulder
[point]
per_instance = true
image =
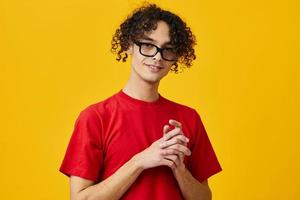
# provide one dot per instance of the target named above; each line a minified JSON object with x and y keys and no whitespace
{"x":182,"y":108}
{"x":187,"y":114}
{"x":98,"y":109}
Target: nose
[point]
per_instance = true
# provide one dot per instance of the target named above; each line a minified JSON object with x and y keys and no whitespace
{"x":157,"y":56}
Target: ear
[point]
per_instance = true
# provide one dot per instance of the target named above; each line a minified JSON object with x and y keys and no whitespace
{"x":129,"y":51}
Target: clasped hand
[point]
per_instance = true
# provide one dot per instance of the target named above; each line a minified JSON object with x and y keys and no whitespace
{"x":169,"y":150}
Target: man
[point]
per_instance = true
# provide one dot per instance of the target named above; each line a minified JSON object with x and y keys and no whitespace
{"x":137,"y":144}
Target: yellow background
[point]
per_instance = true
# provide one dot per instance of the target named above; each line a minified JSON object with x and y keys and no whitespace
{"x":55,"y":60}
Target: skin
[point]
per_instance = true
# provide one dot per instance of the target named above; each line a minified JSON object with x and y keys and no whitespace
{"x":169,"y":150}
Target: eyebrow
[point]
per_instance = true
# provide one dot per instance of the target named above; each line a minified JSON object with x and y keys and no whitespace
{"x":152,"y":40}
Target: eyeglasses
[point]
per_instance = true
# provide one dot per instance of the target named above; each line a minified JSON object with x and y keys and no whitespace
{"x":150,"y":50}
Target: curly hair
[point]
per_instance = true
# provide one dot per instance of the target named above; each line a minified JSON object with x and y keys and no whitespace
{"x":145,"y":19}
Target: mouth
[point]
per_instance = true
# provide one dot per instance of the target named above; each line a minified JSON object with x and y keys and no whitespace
{"x":154,"y":68}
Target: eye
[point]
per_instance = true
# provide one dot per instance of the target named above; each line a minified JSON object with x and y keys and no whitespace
{"x":170,"y":50}
{"x":148,"y":45}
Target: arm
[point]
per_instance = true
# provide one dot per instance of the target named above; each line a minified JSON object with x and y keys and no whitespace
{"x":111,"y":188}
{"x":117,"y":184}
{"x":190,"y":187}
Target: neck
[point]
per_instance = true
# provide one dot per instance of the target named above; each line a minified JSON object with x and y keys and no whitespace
{"x":141,"y":90}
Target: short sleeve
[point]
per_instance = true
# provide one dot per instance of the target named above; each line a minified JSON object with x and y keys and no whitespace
{"x":203,"y":161}
{"x":84,"y":154}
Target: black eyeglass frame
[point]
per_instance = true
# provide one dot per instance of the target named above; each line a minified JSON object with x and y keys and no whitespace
{"x":158,"y":50}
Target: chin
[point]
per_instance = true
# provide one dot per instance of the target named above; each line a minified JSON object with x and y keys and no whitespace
{"x":148,"y":77}
{"x":151,"y":81}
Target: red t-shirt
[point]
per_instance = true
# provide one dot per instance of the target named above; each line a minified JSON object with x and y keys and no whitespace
{"x":108,"y":133}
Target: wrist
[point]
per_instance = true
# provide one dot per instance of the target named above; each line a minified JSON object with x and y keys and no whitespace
{"x":180,"y":171}
{"x":137,"y":162}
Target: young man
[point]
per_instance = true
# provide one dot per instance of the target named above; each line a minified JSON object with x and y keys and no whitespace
{"x":137,"y":144}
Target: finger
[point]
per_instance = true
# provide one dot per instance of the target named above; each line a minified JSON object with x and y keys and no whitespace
{"x":175,"y":123}
{"x":168,"y":163}
{"x":166,"y":129}
{"x":186,"y":151}
{"x":179,"y":154}
{"x":178,"y":139}
{"x":174,"y":159}
{"x":181,"y":157}
{"x":172,"y":133}
{"x":167,"y":152}
{"x":175,"y":149}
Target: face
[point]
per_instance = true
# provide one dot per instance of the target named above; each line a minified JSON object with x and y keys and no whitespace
{"x":151,"y":69}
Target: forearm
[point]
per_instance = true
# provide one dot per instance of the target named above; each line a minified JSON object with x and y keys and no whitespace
{"x":191,"y":188}
{"x":114,"y":186}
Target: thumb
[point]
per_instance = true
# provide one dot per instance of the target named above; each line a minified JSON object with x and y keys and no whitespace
{"x":166,"y":129}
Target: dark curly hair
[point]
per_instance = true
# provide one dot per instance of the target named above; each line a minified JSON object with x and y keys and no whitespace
{"x":145,"y":19}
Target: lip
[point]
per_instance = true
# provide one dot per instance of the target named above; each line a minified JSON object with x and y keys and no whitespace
{"x":157,"y":66}
{"x":153,"y":68}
